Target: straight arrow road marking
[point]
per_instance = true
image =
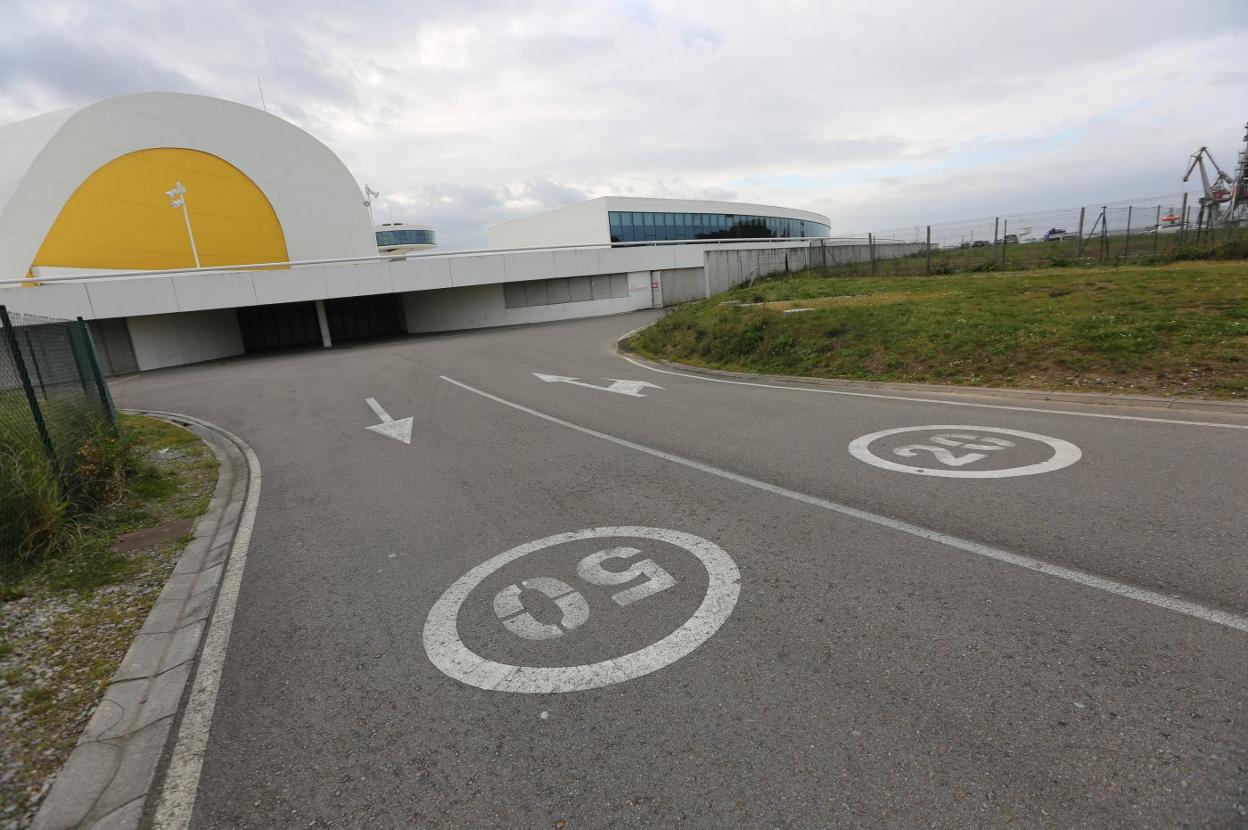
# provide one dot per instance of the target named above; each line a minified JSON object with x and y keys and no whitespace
{"x":400,"y":430}
{"x":632,"y":388}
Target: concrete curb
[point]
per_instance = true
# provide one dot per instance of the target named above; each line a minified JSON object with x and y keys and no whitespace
{"x":1093,"y":398}
{"x":108,"y":777}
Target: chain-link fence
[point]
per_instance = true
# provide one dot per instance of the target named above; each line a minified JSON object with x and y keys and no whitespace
{"x":53,"y":404}
{"x":1155,"y":229}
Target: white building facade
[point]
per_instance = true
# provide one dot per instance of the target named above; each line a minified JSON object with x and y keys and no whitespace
{"x":288,"y":256}
{"x":623,"y":220}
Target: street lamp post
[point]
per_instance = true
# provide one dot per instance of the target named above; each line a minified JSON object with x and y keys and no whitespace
{"x":177,"y":199}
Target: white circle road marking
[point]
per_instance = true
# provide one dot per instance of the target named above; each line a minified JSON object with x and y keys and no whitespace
{"x":1064,"y":453}
{"x":447,"y":651}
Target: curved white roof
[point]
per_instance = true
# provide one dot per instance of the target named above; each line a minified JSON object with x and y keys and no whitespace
{"x":43,"y":160}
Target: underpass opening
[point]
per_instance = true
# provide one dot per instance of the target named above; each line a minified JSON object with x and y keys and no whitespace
{"x":279,"y":326}
{"x":352,"y":318}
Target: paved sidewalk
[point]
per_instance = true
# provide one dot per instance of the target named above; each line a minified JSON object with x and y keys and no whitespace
{"x":108,"y":777}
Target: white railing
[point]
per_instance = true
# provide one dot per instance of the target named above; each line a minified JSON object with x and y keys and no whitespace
{"x":268,"y":266}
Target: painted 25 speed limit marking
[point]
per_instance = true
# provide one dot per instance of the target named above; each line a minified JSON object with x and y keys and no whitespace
{"x":955,"y":448}
{"x":447,"y":651}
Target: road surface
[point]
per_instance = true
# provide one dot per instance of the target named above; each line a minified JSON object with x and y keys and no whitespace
{"x":649,"y":599}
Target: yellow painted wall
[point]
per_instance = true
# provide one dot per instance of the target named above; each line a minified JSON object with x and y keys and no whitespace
{"x":120,"y":217}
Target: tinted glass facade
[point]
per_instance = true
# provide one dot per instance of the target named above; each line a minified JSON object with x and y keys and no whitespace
{"x":638,"y":226}
{"x":388,"y":239}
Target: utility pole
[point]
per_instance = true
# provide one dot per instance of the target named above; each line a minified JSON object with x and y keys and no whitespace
{"x":177,"y":199}
{"x":928,"y":269}
{"x":1079,"y":238}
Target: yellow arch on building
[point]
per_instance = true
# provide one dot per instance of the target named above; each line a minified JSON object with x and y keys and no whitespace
{"x":120,"y":217}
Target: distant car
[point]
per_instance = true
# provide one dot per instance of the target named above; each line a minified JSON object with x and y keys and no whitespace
{"x":1010,"y":239}
{"x":1055,"y":234}
{"x":980,"y":243}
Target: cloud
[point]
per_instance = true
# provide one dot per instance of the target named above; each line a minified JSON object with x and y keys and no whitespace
{"x":880,"y":115}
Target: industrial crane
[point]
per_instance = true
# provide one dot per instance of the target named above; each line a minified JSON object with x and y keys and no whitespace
{"x":1223,"y":189}
{"x":1216,"y":193}
{"x":1237,"y":211}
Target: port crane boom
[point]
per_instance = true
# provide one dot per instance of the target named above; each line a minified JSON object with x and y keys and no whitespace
{"x":1218,"y":191}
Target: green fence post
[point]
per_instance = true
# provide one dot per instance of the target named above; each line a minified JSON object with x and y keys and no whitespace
{"x":1126,"y":253}
{"x":77,"y":350}
{"x":35,"y":412}
{"x":1105,"y":232}
{"x":30,"y":347}
{"x":928,"y":268}
{"x":106,"y":397}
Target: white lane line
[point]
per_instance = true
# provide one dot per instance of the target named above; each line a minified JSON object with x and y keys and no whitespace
{"x":934,"y":400}
{"x":177,"y":800}
{"x":1100,"y":583}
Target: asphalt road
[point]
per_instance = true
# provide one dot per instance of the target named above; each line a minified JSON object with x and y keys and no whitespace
{"x":757,"y":627}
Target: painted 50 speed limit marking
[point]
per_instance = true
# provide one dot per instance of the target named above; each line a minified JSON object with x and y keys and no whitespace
{"x":447,"y":651}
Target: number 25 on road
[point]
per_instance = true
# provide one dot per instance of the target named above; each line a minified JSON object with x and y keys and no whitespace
{"x":571,"y":603}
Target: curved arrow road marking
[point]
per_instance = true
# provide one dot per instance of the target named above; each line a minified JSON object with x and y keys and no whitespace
{"x":631,"y":388}
{"x":400,"y":430}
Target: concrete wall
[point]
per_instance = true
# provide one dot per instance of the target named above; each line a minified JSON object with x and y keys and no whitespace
{"x":188,"y":317}
{"x":482,"y":306}
{"x":142,"y":294}
{"x":584,"y":223}
{"x":726,"y":268}
{"x":682,"y":285}
{"x":161,"y":340}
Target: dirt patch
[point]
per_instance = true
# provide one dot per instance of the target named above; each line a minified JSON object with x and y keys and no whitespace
{"x":147,"y":537}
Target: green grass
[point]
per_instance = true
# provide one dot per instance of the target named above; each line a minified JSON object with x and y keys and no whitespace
{"x":1179,"y":329}
{"x":67,"y":618}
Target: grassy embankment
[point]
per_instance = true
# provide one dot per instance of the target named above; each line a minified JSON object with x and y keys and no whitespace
{"x":70,"y":607}
{"x":1178,"y":329}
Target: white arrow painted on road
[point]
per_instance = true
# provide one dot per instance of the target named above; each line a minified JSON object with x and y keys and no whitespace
{"x":400,"y":430}
{"x":620,"y":387}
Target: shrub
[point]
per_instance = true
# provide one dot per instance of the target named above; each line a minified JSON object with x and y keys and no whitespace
{"x":101,"y":465}
{"x":33,"y":510}
{"x":39,"y":503}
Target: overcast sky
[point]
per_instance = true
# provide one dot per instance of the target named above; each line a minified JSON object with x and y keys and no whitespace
{"x":878,"y":114}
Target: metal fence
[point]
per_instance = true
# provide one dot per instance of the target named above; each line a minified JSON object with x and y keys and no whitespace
{"x":53,"y":401}
{"x":1171,"y":226}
